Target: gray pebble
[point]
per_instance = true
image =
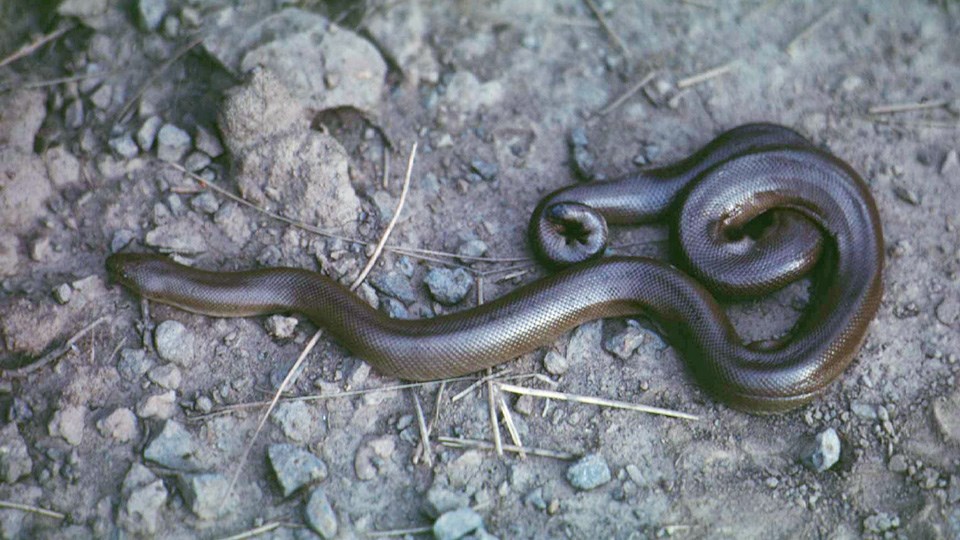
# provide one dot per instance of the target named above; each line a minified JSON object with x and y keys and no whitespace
{"x":864,"y":410}
{"x":449,"y":287}
{"x":207,"y":142}
{"x":441,"y":500}
{"x":120,"y":425}
{"x":948,"y":311}
{"x":9,"y":256}
{"x":101,"y":98}
{"x":472,"y":248}
{"x":281,"y":327}
{"x":457,"y":524}
{"x":295,"y":419}
{"x":396,"y":285}
{"x":166,"y":376}
{"x":578,"y":137}
{"x":624,"y":343}
{"x":63,"y":292}
{"x":73,"y":114}
{"x":394,"y":308}
{"x":171,"y":26}
{"x":205,"y":494}
{"x":124,"y":146}
{"x":907,"y":195}
{"x":147,"y":133}
{"x":160,"y":406}
{"x":15,"y":462}
{"x":822,"y":452}
{"x":150,"y":13}
{"x":196,"y":161}
{"x":174,"y":342}
{"x":555,"y":363}
{"x":320,"y":515}
{"x":141,"y":510}
{"x":121,"y":239}
{"x":173,"y":447}
{"x":536,"y":500}
{"x":133,"y":364}
{"x":295,"y":467}
{"x":205,"y":202}
{"x":950,"y":163}
{"x":589,"y":472}
{"x":172,"y":143}
{"x":487,"y":171}
{"x":880,"y":523}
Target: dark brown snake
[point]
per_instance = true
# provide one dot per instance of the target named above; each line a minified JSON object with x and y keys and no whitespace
{"x":815,"y":213}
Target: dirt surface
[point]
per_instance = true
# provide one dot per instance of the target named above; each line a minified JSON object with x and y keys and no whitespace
{"x":299,"y":108}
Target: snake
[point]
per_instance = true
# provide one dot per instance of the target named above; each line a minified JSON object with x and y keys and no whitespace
{"x":759,"y":204}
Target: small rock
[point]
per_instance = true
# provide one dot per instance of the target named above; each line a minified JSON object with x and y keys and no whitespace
{"x":177,"y":237}
{"x":864,"y":410}
{"x":946,"y":416}
{"x":948,"y":311}
{"x":82,"y":8}
{"x":524,"y":405}
{"x":121,"y":239}
{"x":173,"y":447}
{"x":68,"y":423}
{"x":234,"y":222}
{"x":9,"y":256}
{"x":396,"y":285}
{"x":281,"y":327}
{"x":555,"y":363}
{"x":471,"y":249}
{"x":150,"y":13}
{"x":394,"y":308}
{"x":101,"y":98}
{"x":536,"y":500}
{"x":63,"y":292}
{"x":449,"y":287}
{"x":205,"y":494}
{"x":205,"y":202}
{"x":589,"y":472}
{"x":140,"y":513}
{"x":898,"y":463}
{"x":133,"y":364}
{"x":147,"y":133}
{"x":295,"y":419}
{"x":124,"y":146}
{"x":196,"y":162}
{"x":320,"y":515}
{"x":172,"y":143}
{"x":174,"y":343}
{"x":907,"y":195}
{"x":372,"y":456}
{"x":63,"y":168}
{"x":441,"y":500}
{"x":457,"y":524}
{"x":120,"y":426}
{"x":487,"y":171}
{"x":73,"y":114}
{"x":166,"y":376}
{"x":295,"y":467}
{"x":208,"y":143}
{"x":161,"y":406}
{"x":15,"y":462}
{"x":880,"y":523}
{"x":772,"y":482}
{"x":822,"y":452}
{"x":171,"y":26}
{"x":951,"y":163}
{"x":624,"y":343}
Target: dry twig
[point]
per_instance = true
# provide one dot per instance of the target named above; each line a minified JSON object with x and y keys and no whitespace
{"x":32,"y":509}
{"x":626,"y":95}
{"x":606,"y":28}
{"x":257,"y":531}
{"x":54,"y":355}
{"x":706,"y":75}
{"x":791,"y":47}
{"x":156,"y":74}
{"x":485,"y":445}
{"x":904,"y":107}
{"x":35,"y":44}
{"x":590,"y":400}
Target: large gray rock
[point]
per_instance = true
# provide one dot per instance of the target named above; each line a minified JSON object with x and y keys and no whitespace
{"x":280,"y":160}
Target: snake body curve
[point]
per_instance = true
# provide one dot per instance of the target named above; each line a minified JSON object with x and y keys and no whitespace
{"x":827,"y":215}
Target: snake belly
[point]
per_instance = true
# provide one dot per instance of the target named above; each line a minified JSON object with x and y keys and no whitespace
{"x":822,"y":210}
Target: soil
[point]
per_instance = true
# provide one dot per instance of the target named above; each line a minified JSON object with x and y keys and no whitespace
{"x":119,"y":426}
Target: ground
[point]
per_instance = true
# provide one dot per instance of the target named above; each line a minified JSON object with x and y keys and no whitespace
{"x":300,"y":107}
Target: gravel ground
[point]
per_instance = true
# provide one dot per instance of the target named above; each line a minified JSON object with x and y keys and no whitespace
{"x":121,"y":426}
